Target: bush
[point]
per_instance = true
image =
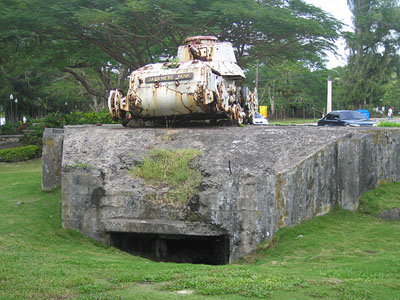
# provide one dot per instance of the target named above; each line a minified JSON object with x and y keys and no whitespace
{"x":8,"y":129}
{"x":34,"y":132}
{"x":19,"y":154}
{"x":54,"y":120}
{"x":33,"y":136}
{"x":58,"y":120}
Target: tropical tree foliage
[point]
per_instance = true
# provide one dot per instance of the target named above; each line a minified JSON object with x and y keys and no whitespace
{"x":59,"y":54}
{"x":291,"y":89}
{"x":374,"y":58}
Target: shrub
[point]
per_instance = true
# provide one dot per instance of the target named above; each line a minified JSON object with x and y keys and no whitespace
{"x":34,"y":133}
{"x":19,"y":154}
{"x":8,"y":129}
{"x":33,"y":136}
{"x":54,"y":120}
{"x":58,"y":120}
{"x":388,"y":124}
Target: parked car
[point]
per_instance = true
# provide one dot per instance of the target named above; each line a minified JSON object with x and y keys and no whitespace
{"x":259,"y":119}
{"x":345,"y":118}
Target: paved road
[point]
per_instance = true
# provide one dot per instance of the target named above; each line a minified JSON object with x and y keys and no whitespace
{"x":394,"y":119}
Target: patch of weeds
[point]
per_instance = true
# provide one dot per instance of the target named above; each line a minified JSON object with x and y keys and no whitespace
{"x":318,"y":294}
{"x":92,"y":288}
{"x":83,"y":166}
{"x":170,"y":171}
{"x":99,"y":296}
{"x":237,"y":282}
{"x":353,"y":293}
{"x":172,"y":63}
{"x":350,"y":274}
{"x":194,"y":217}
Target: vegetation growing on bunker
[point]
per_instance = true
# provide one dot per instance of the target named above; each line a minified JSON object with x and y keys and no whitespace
{"x":170,"y":171}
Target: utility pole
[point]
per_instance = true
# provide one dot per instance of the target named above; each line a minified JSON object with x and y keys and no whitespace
{"x":329,"y":96}
{"x":256,"y":83}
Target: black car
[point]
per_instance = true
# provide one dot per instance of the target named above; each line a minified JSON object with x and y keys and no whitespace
{"x":345,"y":118}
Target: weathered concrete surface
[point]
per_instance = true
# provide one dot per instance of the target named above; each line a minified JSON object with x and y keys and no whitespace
{"x":9,"y":141}
{"x":255,"y":179}
{"x":51,"y":157}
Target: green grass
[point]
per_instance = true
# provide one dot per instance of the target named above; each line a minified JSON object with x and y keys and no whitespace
{"x":385,"y":196}
{"x":342,"y":255}
{"x":292,"y":121}
{"x":172,"y":170}
{"x":388,"y":124}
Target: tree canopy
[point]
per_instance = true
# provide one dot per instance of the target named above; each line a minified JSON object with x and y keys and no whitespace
{"x":75,"y":51}
{"x":374,"y":51}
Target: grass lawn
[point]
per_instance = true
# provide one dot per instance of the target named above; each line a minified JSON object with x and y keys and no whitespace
{"x":292,"y":121}
{"x":342,"y":255}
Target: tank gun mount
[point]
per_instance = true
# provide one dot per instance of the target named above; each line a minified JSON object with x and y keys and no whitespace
{"x":205,"y":83}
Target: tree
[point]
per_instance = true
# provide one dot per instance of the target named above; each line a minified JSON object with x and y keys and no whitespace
{"x":291,"y":89}
{"x":96,"y":43}
{"x":275,"y":30}
{"x":373,"y":50}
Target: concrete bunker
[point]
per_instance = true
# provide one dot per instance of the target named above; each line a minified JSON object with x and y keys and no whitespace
{"x":211,"y":250}
{"x":255,"y":180}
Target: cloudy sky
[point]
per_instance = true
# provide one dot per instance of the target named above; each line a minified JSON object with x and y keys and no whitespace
{"x":340,"y":10}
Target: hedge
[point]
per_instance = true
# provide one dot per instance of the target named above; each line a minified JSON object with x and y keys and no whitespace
{"x":19,"y":153}
{"x":388,"y":124}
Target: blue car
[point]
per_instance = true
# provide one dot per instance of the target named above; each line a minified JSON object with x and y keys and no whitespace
{"x":345,"y":118}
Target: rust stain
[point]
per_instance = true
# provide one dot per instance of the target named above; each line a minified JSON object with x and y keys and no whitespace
{"x":48,"y":141}
{"x":381,"y":181}
{"x":322,"y":157}
{"x":282,"y":222}
{"x":280,"y":202}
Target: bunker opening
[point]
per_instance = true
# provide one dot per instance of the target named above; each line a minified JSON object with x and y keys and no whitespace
{"x":211,"y":250}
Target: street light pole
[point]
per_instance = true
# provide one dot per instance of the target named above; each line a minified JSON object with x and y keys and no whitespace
{"x":329,"y":96}
{"x":16,"y":110}
{"x":11,"y":109}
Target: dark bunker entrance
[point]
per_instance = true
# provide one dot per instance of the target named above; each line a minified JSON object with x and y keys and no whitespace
{"x":211,"y":250}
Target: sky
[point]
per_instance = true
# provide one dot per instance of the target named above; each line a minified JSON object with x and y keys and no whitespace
{"x":339,"y":10}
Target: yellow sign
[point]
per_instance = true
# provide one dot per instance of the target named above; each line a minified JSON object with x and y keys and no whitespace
{"x":264,"y":111}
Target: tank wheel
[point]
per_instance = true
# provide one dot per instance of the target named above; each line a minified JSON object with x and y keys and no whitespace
{"x":236,"y":115}
{"x":125,"y":122}
{"x":114,"y":105}
{"x":251,"y":118}
{"x":239,"y":115}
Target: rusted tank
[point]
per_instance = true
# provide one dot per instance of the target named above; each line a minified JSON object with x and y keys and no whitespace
{"x":203,"y":82}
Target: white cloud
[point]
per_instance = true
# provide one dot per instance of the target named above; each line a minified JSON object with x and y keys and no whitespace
{"x":339,"y":10}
